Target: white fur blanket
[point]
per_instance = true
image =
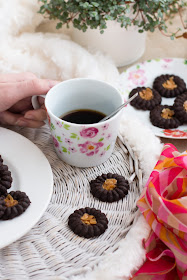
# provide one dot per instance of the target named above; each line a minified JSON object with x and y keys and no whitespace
{"x":48,"y":55}
{"x":55,"y":56}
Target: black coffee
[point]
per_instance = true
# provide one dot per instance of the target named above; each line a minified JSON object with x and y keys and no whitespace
{"x":83,"y":116}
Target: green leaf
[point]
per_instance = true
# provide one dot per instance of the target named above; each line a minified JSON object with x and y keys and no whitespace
{"x":59,"y":25}
{"x":64,"y":149}
{"x":137,"y":66}
{"x":52,"y":126}
{"x":172,"y":37}
{"x":59,"y":139}
{"x":108,"y":147}
{"x":185,"y":61}
{"x":73,"y":135}
{"x":95,"y":4}
{"x":101,"y":139}
{"x":96,"y":14}
{"x":66,"y":126}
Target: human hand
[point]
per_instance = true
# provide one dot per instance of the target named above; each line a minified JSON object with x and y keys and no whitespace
{"x":16,"y":91}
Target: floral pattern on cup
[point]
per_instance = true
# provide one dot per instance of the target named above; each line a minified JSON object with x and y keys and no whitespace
{"x":89,"y":132}
{"x":67,"y":143}
{"x":56,"y":143}
{"x":72,"y":149}
{"x":105,"y":126}
{"x":90,"y":148}
{"x":48,"y":118}
{"x":59,"y":123}
{"x":102,"y":153}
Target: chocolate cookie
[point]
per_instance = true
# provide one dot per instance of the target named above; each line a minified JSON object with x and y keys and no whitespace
{"x":180,"y":107}
{"x":147,"y":98}
{"x":163,"y":116}
{"x":2,"y":206}
{"x":109,"y":187}
{"x":16,"y":203}
{"x":88,"y":222}
{"x":1,"y":160}
{"x":169,"y":85}
{"x":5,"y":177}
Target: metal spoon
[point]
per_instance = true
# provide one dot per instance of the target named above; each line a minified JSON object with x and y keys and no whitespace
{"x":119,"y":108}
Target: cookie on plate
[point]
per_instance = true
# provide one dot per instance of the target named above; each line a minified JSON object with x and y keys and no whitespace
{"x":180,"y":107}
{"x":147,"y":98}
{"x":2,"y":206}
{"x":163,"y":116}
{"x":169,"y":85}
{"x":5,"y":177}
{"x":1,"y":160}
{"x":109,"y":187}
{"x":16,"y":202}
{"x":88,"y":222}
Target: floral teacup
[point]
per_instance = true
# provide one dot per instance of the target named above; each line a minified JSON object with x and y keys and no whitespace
{"x":78,"y":144}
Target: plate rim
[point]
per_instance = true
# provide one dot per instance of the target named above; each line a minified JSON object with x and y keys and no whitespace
{"x":124,"y":73}
{"x":17,"y":235}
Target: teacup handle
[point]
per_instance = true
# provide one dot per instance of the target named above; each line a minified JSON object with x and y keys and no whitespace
{"x":35,"y":103}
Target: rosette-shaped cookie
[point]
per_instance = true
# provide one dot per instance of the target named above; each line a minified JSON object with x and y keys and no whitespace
{"x":180,"y":107}
{"x":1,"y":160}
{"x":5,"y":178}
{"x":169,"y":85}
{"x":88,"y":222}
{"x":163,"y":116}
{"x":16,"y":203}
{"x":147,"y":99}
{"x":109,"y":187}
{"x":2,"y":206}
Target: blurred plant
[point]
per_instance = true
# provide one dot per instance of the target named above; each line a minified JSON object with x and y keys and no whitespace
{"x":146,"y":14}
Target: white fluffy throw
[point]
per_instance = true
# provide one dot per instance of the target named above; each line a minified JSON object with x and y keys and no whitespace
{"x":48,"y":55}
{"x":55,"y":56}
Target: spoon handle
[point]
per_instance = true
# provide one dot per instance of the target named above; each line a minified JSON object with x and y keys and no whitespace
{"x":119,"y":108}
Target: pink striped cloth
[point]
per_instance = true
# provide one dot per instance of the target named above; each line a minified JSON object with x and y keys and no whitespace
{"x":164,"y":206}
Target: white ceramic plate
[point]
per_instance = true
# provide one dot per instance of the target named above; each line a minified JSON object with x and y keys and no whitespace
{"x":31,"y":173}
{"x":143,"y":74}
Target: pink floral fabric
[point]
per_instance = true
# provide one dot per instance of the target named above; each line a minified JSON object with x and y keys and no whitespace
{"x":164,"y":206}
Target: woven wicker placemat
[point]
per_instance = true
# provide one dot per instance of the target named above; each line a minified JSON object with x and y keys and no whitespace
{"x":51,"y":250}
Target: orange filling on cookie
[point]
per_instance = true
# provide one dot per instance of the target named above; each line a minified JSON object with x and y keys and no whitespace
{"x":167,"y":113}
{"x":169,"y":84}
{"x":88,"y":219}
{"x":9,"y":201}
{"x":109,"y":184}
{"x":146,"y":94}
{"x":185,"y":105}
